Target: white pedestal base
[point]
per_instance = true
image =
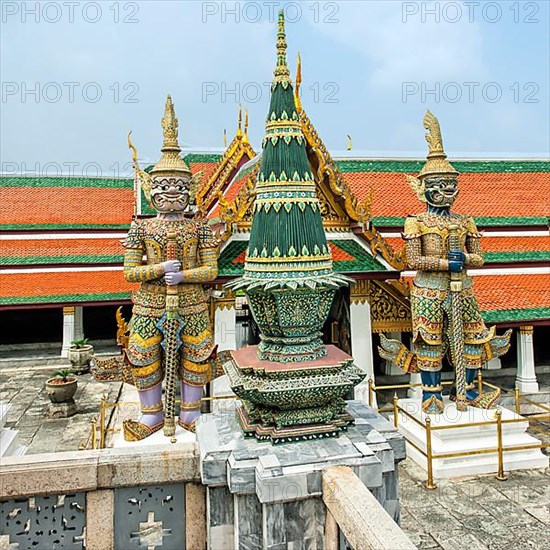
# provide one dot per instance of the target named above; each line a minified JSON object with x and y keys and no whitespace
{"x":129,"y":410}
{"x":466,"y":439}
{"x":158,"y":438}
{"x":527,"y":386}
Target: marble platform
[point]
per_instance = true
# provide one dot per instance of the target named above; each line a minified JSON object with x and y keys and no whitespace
{"x":468,"y":438}
{"x":9,"y":438}
{"x":268,"y":496}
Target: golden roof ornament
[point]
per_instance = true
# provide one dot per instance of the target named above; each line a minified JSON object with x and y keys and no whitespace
{"x":170,"y":164}
{"x":437,"y":163}
{"x":281,"y":72}
{"x":297,"y":98}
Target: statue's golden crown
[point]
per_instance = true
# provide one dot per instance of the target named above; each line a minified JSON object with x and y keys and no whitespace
{"x":170,"y":164}
{"x":437,"y":163}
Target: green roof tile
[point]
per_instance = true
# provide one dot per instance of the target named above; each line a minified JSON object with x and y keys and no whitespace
{"x":66,"y":181}
{"x":470,"y":166}
{"x":516,"y":315}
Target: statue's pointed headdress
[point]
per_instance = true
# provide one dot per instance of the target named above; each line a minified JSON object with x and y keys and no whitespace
{"x":436,"y":163}
{"x":170,"y":165}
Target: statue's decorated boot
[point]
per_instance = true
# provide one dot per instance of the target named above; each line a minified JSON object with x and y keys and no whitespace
{"x":473,"y":398}
{"x":190,"y":407}
{"x":432,"y":401}
{"x":152,"y":416}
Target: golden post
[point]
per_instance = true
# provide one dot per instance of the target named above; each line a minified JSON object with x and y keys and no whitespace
{"x":479,"y":382}
{"x":430,"y":481}
{"x":94,"y":434}
{"x":500,"y":475}
{"x":517,"y":401}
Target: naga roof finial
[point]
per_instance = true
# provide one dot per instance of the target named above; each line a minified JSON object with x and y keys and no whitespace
{"x":245,"y":131}
{"x":240,"y":122}
{"x":297,"y":98}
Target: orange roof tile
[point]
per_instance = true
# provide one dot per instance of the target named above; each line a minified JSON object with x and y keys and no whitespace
{"x":504,"y":249}
{"x":38,"y":251}
{"x":63,"y":287}
{"x":67,"y":206}
{"x":515,"y":194}
{"x":509,"y":292}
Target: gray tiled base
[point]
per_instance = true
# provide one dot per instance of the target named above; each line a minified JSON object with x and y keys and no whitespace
{"x":260,"y":495}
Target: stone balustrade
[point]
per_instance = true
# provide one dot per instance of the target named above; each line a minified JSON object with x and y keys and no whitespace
{"x":234,"y":493}
{"x":355,"y":517}
{"x":103,"y":499}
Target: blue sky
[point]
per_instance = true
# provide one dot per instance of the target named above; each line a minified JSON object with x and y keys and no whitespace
{"x":368,"y":68}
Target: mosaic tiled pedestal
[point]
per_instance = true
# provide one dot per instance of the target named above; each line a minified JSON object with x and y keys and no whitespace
{"x":285,"y":402}
{"x":268,"y":496}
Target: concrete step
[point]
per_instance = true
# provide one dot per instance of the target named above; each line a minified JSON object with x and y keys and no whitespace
{"x":4,"y":408}
{"x":20,"y":451}
{"x":8,"y":442}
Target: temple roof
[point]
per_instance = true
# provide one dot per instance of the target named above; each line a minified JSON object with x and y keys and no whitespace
{"x":497,"y":193}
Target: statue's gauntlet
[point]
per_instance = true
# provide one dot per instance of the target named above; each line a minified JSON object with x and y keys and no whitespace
{"x":416,"y":260}
{"x":134,"y":272}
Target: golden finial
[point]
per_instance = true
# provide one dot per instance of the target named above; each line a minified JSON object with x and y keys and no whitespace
{"x":433,"y":137}
{"x":282,"y":74}
{"x":437,"y":163}
{"x":170,"y":126}
{"x":240,"y":122}
{"x":297,"y":99}
{"x":224,"y":137}
{"x":170,"y":163}
{"x":350,"y":143}
{"x":245,"y":134}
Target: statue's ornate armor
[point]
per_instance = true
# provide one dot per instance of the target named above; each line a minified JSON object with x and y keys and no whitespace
{"x":427,"y":249}
{"x":196,"y":250}
{"x":441,"y":246}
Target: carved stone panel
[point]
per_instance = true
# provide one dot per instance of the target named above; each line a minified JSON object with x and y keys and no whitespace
{"x":150,"y":517}
{"x":54,"y":521}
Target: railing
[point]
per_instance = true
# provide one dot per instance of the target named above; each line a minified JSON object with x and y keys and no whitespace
{"x":355,"y":512}
{"x":395,"y":408}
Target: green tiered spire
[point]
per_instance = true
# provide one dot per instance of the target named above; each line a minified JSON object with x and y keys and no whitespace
{"x":288,"y":276}
{"x":287,"y":247}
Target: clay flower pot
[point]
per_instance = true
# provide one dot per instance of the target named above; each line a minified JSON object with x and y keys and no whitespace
{"x":80,"y":357}
{"x":60,"y":390}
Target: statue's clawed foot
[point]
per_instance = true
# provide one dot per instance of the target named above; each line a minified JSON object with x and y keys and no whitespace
{"x":136,"y":431}
{"x":432,"y":400}
{"x":473,"y":398}
{"x":152,"y":415}
{"x":432,"y":405}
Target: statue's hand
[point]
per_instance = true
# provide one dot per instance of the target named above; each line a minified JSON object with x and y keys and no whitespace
{"x":457,"y":256}
{"x":173,"y":278}
{"x":456,"y":261}
{"x":171,"y":266}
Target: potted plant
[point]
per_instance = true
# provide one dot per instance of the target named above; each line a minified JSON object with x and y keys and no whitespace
{"x":62,"y":387}
{"x":80,"y":354}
